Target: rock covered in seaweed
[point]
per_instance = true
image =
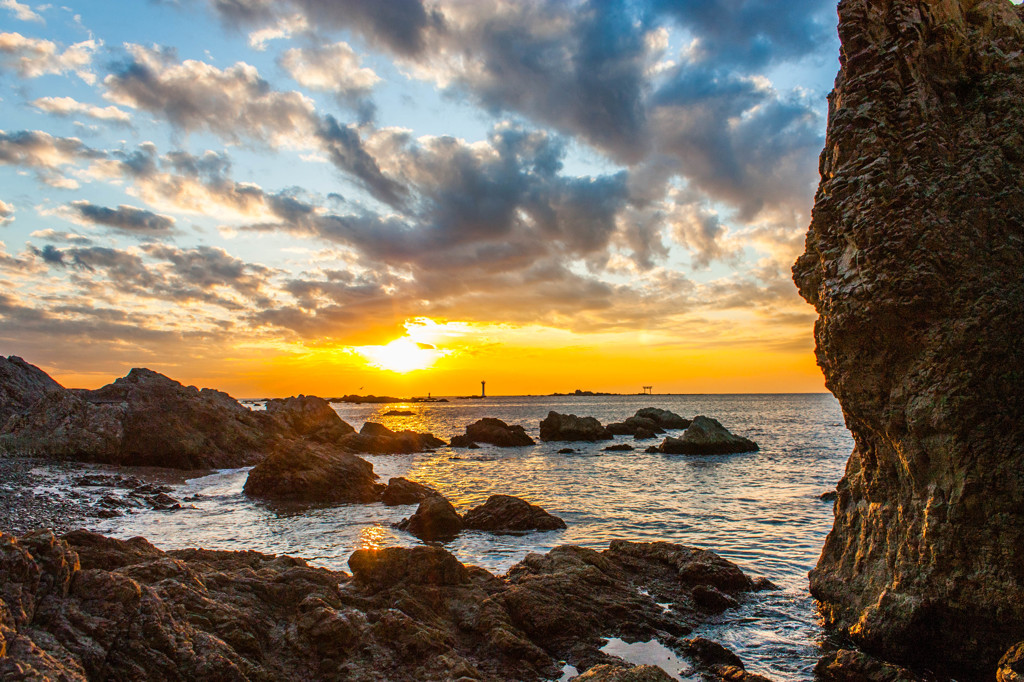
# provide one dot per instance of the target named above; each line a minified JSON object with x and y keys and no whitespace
{"x":569,"y":427}
{"x":913,"y":261}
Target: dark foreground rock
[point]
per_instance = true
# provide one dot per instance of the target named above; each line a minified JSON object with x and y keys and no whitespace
{"x":495,"y":432}
{"x":89,"y":607}
{"x":403,"y":491}
{"x":569,"y":427}
{"x":304,"y":472}
{"x":505,"y":513}
{"x":913,"y":261}
{"x":706,"y":436}
{"x":377,"y":439}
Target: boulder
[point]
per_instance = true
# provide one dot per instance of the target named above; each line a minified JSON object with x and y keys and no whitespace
{"x":569,"y":427}
{"x":913,"y":262}
{"x":645,"y":434}
{"x":311,"y":473}
{"x":308,"y":416}
{"x":403,"y":491}
{"x":393,"y":566}
{"x":632,"y":425}
{"x":435,"y":519}
{"x":378,"y":439}
{"x":21,"y":386}
{"x":496,"y":432}
{"x":462,"y":441}
{"x":505,"y":513}
{"x":663,"y":418}
{"x":706,"y":436}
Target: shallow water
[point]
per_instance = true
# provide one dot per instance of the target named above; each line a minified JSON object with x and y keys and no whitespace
{"x":760,"y":509}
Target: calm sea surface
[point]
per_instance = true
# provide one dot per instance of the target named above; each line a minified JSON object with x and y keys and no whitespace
{"x":760,"y":509}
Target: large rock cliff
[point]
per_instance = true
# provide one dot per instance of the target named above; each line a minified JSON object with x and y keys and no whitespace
{"x":915,"y":263}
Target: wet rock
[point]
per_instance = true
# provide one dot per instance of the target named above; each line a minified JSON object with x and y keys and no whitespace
{"x":712,"y":599}
{"x":710,"y":653}
{"x":706,"y":436}
{"x":497,"y":432}
{"x":163,"y":502}
{"x":619,"y":447}
{"x":645,"y":434}
{"x":566,"y":451}
{"x":663,"y":418}
{"x":147,"y":489}
{"x":311,"y":473}
{"x":378,"y":439}
{"x":505,"y":513}
{"x":106,"y":481}
{"x":913,"y":261}
{"x":308,"y":416}
{"x":762,"y":584}
{"x":613,"y":672}
{"x":569,"y":427}
{"x":403,"y":491}
{"x":632,"y":425}
{"x":435,"y":519}
{"x":828,"y":496}
{"x":399,"y":413}
{"x":462,"y":441}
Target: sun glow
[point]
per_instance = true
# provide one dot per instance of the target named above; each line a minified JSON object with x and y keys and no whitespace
{"x":401,"y":355}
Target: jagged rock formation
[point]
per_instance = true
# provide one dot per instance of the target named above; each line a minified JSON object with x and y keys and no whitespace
{"x":89,"y":607}
{"x":914,"y":262}
{"x":569,"y":427}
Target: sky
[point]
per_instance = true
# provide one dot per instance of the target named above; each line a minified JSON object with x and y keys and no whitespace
{"x":275,"y":197}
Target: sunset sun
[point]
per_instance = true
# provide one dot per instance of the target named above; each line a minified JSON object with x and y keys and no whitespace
{"x":401,"y":355}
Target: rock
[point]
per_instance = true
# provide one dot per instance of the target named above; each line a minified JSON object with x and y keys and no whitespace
{"x":106,"y":481}
{"x":706,"y":436}
{"x":1011,"y":665}
{"x":308,"y":416}
{"x":505,"y":513}
{"x":462,"y":441}
{"x":566,"y":451}
{"x":612,"y":672}
{"x":712,"y":599}
{"x":399,"y":413}
{"x":710,"y":653}
{"x":403,"y":491}
{"x":913,"y":262}
{"x":645,"y":434}
{"x":88,"y":607}
{"x":846,"y":665}
{"x":632,"y":425}
{"x":21,"y":386}
{"x":762,"y":584}
{"x":312,"y":473}
{"x":663,"y":418}
{"x":619,"y":447}
{"x":63,"y":425}
{"x":828,"y":496}
{"x":377,"y":439}
{"x":568,"y":427}
{"x":435,"y":519}
{"x":416,"y":566}
{"x":497,"y":432}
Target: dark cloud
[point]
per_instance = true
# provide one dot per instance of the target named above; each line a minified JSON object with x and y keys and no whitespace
{"x":345,"y":149}
{"x":126,"y":219}
{"x":45,"y":153}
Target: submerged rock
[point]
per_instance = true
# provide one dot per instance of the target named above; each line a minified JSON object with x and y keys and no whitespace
{"x":913,"y":261}
{"x":569,"y":427}
{"x":706,"y":436}
{"x":89,"y":607}
{"x":403,"y":491}
{"x":304,"y":472}
{"x":495,"y":432}
{"x":505,"y":513}
{"x":435,"y":519}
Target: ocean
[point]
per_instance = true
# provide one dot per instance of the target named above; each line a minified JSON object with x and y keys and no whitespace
{"x":761,"y":510}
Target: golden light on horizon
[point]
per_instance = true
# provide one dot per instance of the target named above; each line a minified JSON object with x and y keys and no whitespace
{"x":401,"y":355}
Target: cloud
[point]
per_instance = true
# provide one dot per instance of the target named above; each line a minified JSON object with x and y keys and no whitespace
{"x":68,"y":106}
{"x":284,"y":28}
{"x":21,"y":12}
{"x":332,"y":68}
{"x":32,"y":57}
{"x":6,"y":213}
{"x":52,"y":235}
{"x":234,"y":103}
{"x":344,"y":147}
{"x":124,"y":219}
{"x":46,"y":154}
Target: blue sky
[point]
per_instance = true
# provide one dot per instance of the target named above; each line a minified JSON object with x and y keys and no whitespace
{"x":208,"y":183}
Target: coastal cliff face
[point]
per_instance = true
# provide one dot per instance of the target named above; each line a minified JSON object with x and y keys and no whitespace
{"x":915,"y":262}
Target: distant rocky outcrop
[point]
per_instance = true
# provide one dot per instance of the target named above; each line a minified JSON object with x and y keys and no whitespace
{"x":495,"y":432}
{"x":89,"y":607}
{"x":306,"y":472}
{"x":913,"y":261}
{"x":505,"y":513}
{"x":403,"y":491}
{"x":377,"y":439}
{"x":706,"y":436}
{"x":569,"y":427}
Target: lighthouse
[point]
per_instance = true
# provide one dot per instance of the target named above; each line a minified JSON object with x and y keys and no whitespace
{"x":483,"y":389}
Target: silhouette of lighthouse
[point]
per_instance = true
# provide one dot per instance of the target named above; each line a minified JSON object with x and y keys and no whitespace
{"x":483,"y":389}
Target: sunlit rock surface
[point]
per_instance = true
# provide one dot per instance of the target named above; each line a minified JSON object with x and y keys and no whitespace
{"x":89,"y":607}
{"x":915,"y":263}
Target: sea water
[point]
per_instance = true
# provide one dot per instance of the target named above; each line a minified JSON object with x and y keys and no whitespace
{"x":761,"y":510}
